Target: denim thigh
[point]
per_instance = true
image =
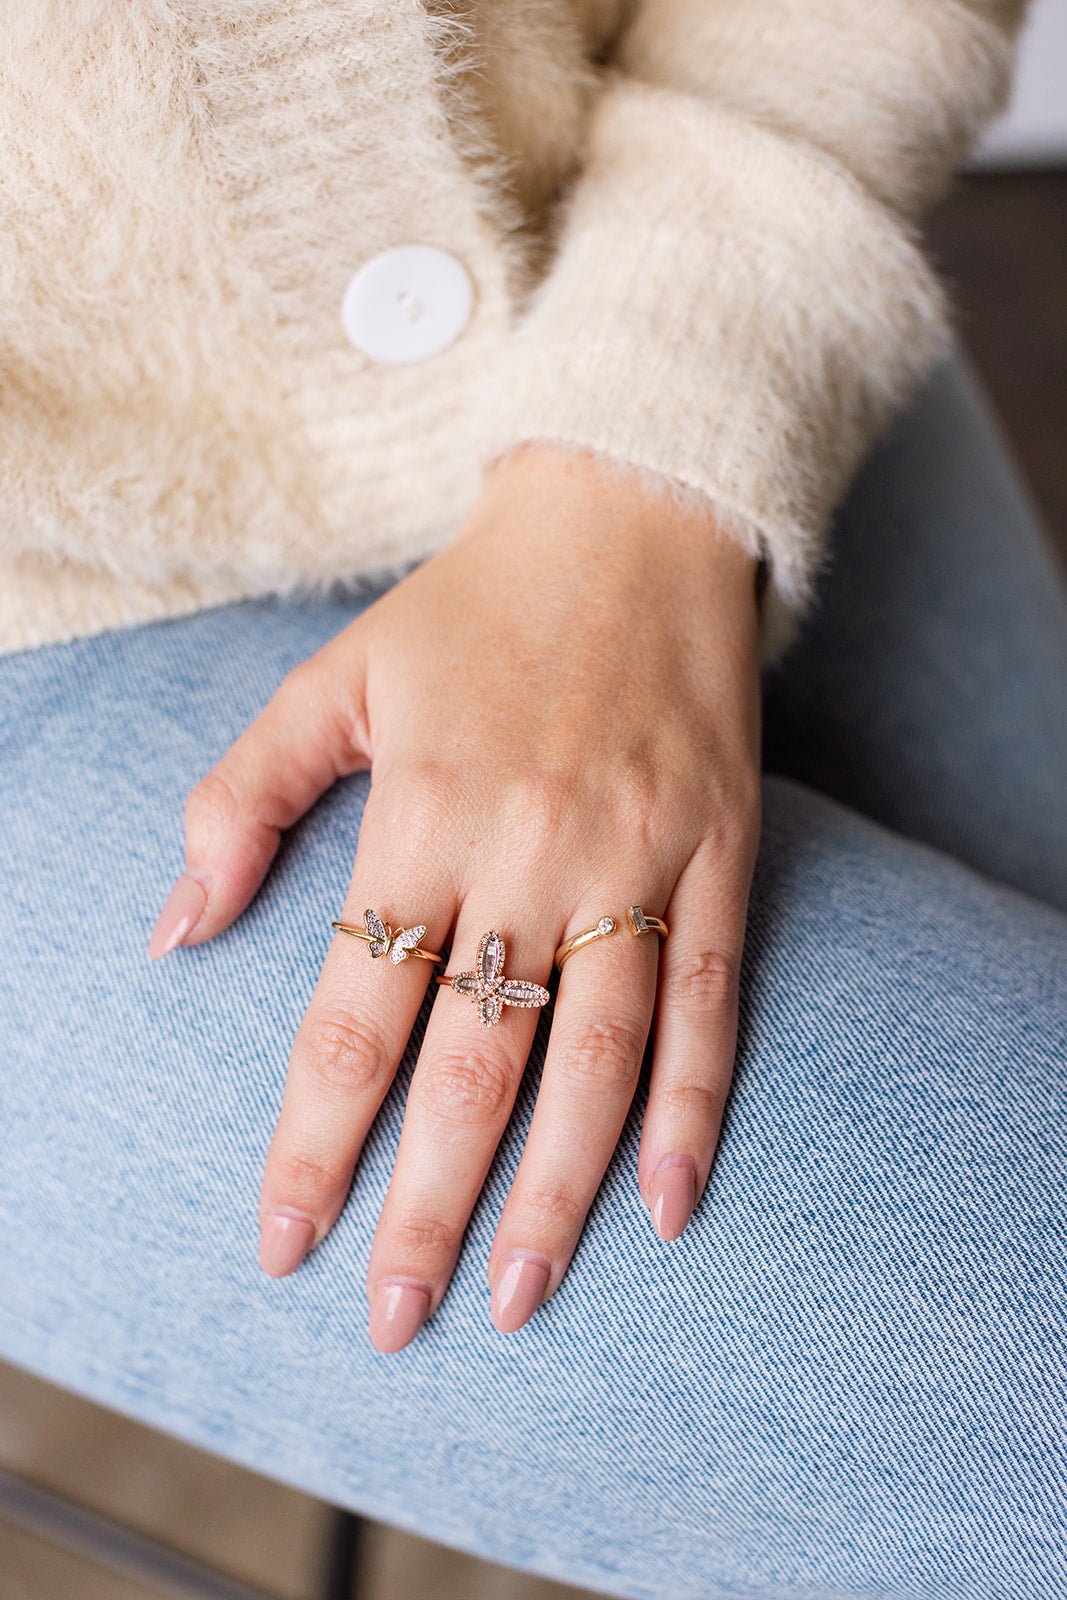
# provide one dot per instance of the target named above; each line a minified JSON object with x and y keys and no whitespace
{"x":846,"y":1379}
{"x":928,"y":688}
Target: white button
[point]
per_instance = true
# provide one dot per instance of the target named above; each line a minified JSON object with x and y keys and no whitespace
{"x":407,"y":303}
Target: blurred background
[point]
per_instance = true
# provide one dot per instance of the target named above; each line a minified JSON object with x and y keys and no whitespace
{"x":1000,"y":241}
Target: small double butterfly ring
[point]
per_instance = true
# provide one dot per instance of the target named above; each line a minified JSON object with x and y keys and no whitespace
{"x":383,"y":941}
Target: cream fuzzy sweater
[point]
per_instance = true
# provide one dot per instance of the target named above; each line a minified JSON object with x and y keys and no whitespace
{"x":688,"y":223}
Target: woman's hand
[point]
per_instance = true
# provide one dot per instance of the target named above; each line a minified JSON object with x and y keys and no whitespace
{"x":561,"y":715}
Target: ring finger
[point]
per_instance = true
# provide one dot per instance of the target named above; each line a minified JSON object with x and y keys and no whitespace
{"x":603,"y":1014}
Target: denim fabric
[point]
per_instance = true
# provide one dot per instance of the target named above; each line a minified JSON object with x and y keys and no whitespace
{"x":847,"y":1379}
{"x":929,"y":689}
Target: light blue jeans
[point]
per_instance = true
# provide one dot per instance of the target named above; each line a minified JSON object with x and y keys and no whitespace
{"x":848,"y":1377}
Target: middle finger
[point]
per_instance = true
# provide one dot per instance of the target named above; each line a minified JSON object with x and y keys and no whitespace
{"x":461,"y":1096}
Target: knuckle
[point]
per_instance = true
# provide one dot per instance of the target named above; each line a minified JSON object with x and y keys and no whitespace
{"x":691,"y":1103}
{"x":471,"y":1089}
{"x":701,"y":984}
{"x":548,"y":1207}
{"x":416,"y":1237}
{"x":301,"y":681}
{"x":639,"y":785}
{"x":211,"y":807}
{"x":346,"y":1054}
{"x":296,"y":689}
{"x":303,"y":696}
{"x":537,"y":810}
{"x":425,"y":803}
{"x":542,"y":804}
{"x":304,"y":1179}
{"x":603,"y":1054}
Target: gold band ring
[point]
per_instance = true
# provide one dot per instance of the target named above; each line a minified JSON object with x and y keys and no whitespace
{"x":638,"y":923}
{"x":384,"y":941}
{"x":603,"y":930}
{"x":487,"y":986}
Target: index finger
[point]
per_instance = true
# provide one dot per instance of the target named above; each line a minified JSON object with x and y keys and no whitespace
{"x":343,"y":1060}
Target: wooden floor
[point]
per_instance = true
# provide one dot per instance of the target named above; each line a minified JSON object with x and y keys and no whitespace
{"x":233,"y":1521}
{"x":1002,"y":243}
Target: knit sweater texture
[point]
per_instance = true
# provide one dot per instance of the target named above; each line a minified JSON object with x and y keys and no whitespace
{"x":689,"y":224}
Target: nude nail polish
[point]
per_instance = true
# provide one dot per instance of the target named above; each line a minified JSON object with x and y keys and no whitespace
{"x":284,"y":1241}
{"x":518,"y":1291}
{"x":397,"y":1313}
{"x":673,"y":1194}
{"x":183,"y":910}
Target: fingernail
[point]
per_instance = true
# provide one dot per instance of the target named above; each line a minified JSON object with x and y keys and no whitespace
{"x":284,"y":1242}
{"x":518,"y":1291}
{"x":674,"y":1193}
{"x":183,"y":910}
{"x":397,"y":1313}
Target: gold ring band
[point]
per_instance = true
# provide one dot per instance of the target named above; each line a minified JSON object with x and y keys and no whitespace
{"x":638,"y":923}
{"x":384,"y":941}
{"x":603,"y":930}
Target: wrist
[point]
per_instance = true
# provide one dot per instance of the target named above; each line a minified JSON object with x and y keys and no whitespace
{"x":588,"y":502}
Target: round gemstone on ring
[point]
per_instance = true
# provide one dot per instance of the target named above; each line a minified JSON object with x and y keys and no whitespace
{"x":606,"y":925}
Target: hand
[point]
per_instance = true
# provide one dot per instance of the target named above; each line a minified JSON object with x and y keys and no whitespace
{"x":561,"y":715}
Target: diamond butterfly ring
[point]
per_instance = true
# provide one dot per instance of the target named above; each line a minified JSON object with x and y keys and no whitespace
{"x":487,"y":986}
{"x":384,"y":942}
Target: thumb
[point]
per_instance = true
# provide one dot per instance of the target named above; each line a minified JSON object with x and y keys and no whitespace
{"x":311,"y":732}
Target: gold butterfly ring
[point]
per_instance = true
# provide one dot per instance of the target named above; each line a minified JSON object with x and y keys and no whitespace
{"x":487,"y":986}
{"x":384,"y":941}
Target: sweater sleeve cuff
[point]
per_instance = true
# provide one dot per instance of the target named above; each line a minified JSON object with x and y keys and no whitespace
{"x":729,"y":309}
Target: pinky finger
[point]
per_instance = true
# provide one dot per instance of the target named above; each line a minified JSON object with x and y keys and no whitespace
{"x":695,"y":1043}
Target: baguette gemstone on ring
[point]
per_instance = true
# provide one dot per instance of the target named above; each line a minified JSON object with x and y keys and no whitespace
{"x":640,"y":923}
{"x":487,"y":986}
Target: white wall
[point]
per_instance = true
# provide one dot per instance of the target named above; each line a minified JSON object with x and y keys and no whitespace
{"x":1034,"y":130}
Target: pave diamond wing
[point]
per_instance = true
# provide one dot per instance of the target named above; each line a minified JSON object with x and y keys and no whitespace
{"x":490,"y":1008}
{"x":490,"y":962}
{"x":381,"y":939}
{"x":466,"y":983}
{"x":516,"y":992}
{"x":404,"y":941}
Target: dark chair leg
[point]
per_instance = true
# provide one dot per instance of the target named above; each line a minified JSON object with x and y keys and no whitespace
{"x":340,"y":1579}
